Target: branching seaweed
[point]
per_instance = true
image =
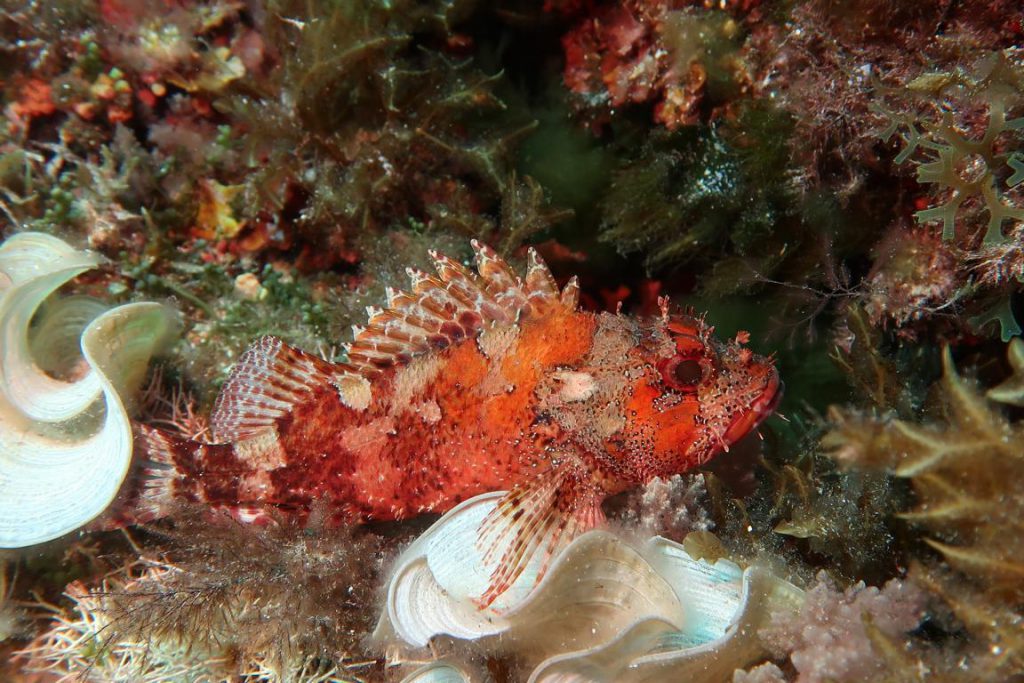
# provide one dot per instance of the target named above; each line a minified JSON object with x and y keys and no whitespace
{"x":968,"y":476}
{"x":368,"y":123}
{"x":965,"y":168}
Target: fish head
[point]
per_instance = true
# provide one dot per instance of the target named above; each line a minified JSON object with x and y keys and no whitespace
{"x":654,"y":397}
{"x":697,"y":397}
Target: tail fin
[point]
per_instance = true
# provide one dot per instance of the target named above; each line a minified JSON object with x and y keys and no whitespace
{"x":158,"y":453}
{"x":170,"y":472}
{"x":152,"y":489}
{"x":176,"y":471}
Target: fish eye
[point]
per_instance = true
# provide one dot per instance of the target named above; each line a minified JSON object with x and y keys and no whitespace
{"x":682,"y":373}
{"x":688,"y":372}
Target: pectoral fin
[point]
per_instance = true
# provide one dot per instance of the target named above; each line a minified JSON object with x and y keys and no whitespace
{"x":540,"y":517}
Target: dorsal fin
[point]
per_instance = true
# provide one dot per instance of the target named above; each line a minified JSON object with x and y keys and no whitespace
{"x":265,"y":383}
{"x":443,"y":309}
{"x":439,"y":310}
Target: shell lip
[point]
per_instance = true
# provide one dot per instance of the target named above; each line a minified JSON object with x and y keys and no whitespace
{"x":763,"y":406}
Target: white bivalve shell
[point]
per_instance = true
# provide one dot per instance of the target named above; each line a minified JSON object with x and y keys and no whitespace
{"x":65,"y":446}
{"x":604,"y":610}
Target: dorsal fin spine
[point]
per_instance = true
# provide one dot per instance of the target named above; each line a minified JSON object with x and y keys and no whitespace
{"x":539,"y":280}
{"x":570,"y":295}
{"x":456,"y":303}
{"x":437,"y":307}
{"x":399,"y":335}
{"x":416,"y":276}
{"x":449,"y":269}
{"x":497,"y":274}
{"x":420,"y":321}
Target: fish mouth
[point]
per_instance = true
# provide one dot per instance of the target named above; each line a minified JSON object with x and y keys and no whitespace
{"x":763,"y":406}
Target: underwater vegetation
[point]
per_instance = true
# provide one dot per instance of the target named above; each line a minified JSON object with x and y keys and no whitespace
{"x":393,"y":127}
{"x":281,"y":604}
{"x":966,"y":171}
{"x":828,"y":192}
{"x":711,"y":181}
{"x":965,"y":473}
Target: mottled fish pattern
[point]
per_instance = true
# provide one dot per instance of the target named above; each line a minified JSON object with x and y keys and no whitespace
{"x":472,"y":381}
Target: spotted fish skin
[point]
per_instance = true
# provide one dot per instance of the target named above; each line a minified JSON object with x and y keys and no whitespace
{"x":467,"y":383}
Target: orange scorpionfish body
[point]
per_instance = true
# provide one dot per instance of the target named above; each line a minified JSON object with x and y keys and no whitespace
{"x":472,"y":382}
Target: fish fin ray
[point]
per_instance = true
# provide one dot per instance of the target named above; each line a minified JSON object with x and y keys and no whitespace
{"x":455,"y":304}
{"x":176,"y":471}
{"x":570,"y":295}
{"x":540,"y":283}
{"x":159,"y":454}
{"x":543,"y":516}
{"x":265,"y":383}
{"x":147,"y":494}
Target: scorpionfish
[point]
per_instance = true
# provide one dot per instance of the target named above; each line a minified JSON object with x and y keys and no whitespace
{"x":472,"y":382}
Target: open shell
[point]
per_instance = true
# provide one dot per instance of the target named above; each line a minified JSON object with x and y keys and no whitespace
{"x":592,"y":587}
{"x":604,"y":611}
{"x":58,"y":468}
{"x":712,"y":645}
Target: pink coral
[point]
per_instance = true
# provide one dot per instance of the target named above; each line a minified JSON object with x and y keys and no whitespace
{"x":826,"y":639}
{"x":670,"y":507}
